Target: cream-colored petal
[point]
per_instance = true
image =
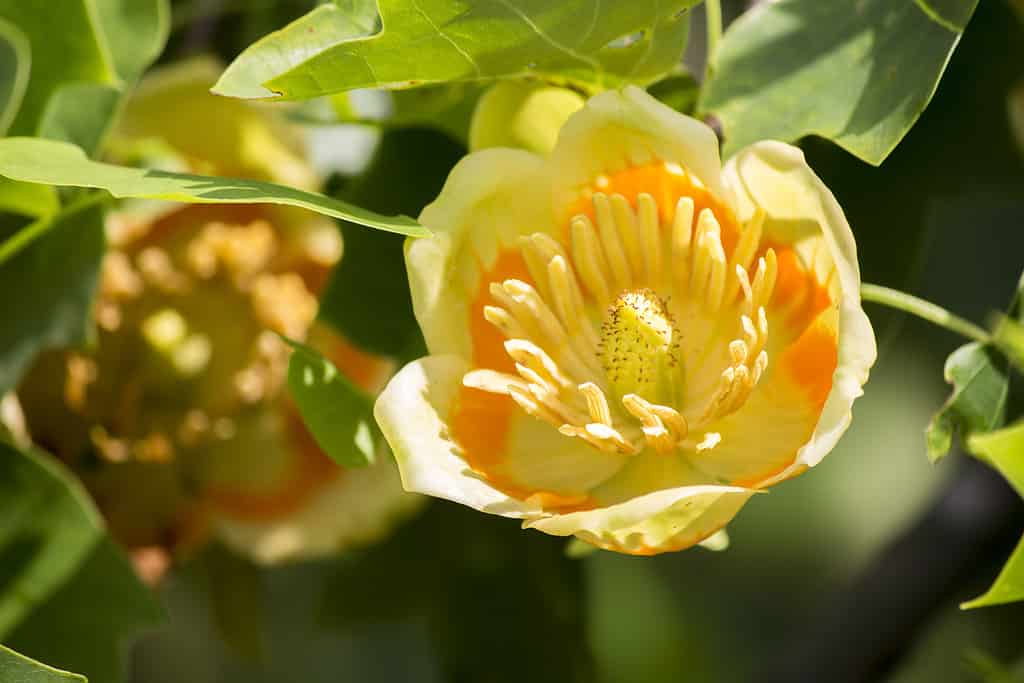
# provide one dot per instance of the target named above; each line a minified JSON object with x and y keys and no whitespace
{"x":617,"y":129}
{"x":359,"y":507}
{"x":662,"y":521}
{"x":800,"y":211}
{"x":412,"y":412}
{"x":490,"y":199}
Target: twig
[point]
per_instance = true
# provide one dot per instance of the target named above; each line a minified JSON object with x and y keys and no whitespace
{"x":868,"y":627}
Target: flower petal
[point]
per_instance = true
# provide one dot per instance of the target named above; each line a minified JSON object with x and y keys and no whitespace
{"x":802,"y":214}
{"x":413,"y":412}
{"x":490,"y":199}
{"x":662,"y":521}
{"x":356,"y":508}
{"x":617,"y":129}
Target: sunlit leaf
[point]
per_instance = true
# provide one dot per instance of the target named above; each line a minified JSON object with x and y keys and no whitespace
{"x":978,"y":401}
{"x":590,"y":43}
{"x":1004,"y":450}
{"x":857,"y":73}
{"x":16,"y":668}
{"x":67,"y":595}
{"x":58,"y":163}
{"x":337,"y":413}
{"x":42,"y":304}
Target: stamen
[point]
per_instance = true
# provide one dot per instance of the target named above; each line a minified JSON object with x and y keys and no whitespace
{"x":750,"y":238}
{"x":538,"y":249}
{"x":647,"y":212}
{"x":682,"y":232}
{"x":531,"y":406}
{"x":597,"y":404}
{"x":705,"y":242}
{"x":748,"y":292}
{"x":629,"y":233}
{"x":589,"y":259}
{"x":710,"y":440}
{"x":535,"y":358}
{"x":613,"y":249}
{"x":764,"y":278}
{"x":492,"y":381}
{"x":504,"y":321}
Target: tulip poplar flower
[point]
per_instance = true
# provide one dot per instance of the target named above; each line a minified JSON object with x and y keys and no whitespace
{"x":627,"y":340}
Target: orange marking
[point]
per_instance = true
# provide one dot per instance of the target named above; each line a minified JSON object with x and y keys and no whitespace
{"x":811,"y":360}
{"x":312,"y":470}
{"x":797,"y":290}
{"x":480,"y":420}
{"x":666,"y":187}
{"x":366,"y":370}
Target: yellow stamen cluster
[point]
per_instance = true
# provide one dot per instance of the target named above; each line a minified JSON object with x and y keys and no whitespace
{"x":152,"y":291}
{"x":603,"y":335}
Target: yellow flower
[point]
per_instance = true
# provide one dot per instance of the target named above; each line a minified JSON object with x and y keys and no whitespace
{"x":627,"y":340}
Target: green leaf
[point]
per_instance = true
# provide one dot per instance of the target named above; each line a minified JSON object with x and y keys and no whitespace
{"x":15,"y":58}
{"x":1003,"y":450}
{"x":59,"y":163}
{"x":66,"y":47}
{"x":84,"y":55}
{"x":67,"y":594}
{"x":588,"y":43}
{"x":60,"y":269}
{"x":135,"y":32}
{"x":28,"y":199}
{"x":978,"y":403}
{"x":15,"y":668}
{"x":859,"y":74}
{"x":337,"y":413}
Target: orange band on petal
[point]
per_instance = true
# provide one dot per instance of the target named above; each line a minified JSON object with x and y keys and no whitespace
{"x":480,"y":421}
{"x":666,"y":183}
{"x":311,"y":472}
{"x":811,"y":360}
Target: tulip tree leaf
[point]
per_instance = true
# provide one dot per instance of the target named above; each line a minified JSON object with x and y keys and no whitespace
{"x":84,"y":55}
{"x":978,"y":402}
{"x":135,"y":32}
{"x":1004,"y":450}
{"x":66,"y":47}
{"x":856,"y":73}
{"x":67,"y":594}
{"x":15,"y":58}
{"x":336,"y":412}
{"x":16,"y":668}
{"x":59,"y":163}
{"x":589,"y":43}
{"x":60,"y":269}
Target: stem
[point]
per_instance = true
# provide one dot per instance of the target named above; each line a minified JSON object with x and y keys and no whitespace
{"x":925,"y":310}
{"x":713,"y":26}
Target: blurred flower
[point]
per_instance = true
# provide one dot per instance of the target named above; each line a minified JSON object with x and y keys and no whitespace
{"x":628,"y":341}
{"x":178,"y":420}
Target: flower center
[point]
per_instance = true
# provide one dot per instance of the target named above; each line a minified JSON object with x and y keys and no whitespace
{"x":596,"y":335}
{"x":638,"y":344}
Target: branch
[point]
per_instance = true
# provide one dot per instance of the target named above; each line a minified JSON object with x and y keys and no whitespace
{"x":871,"y":624}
